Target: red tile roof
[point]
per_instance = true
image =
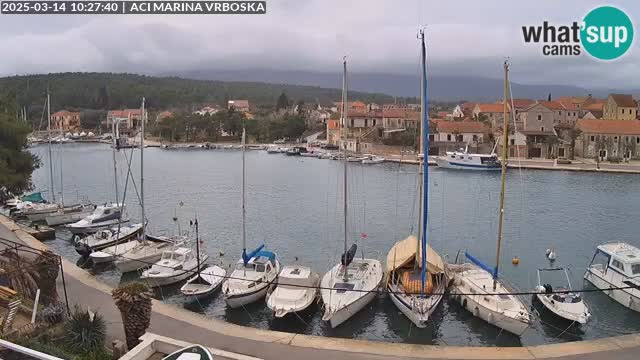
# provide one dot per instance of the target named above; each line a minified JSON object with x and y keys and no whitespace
{"x":468,"y":106}
{"x":64,"y":113}
{"x":490,"y":108}
{"x":552,"y":105}
{"x":461,"y":126}
{"x":623,"y":100}
{"x":595,"y":106}
{"x":519,"y":103}
{"x":613,"y":127}
{"x":238,"y":103}
{"x":443,"y":114}
{"x":125,"y":113}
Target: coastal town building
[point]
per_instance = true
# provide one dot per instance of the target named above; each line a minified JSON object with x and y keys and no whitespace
{"x":491,"y":112}
{"x":163,"y":115}
{"x":130,"y":118}
{"x":208,"y":110}
{"x":463,"y":110}
{"x":65,"y":120}
{"x":238,"y":105}
{"x":620,"y":107}
{"x":466,"y":132}
{"x":608,"y":139}
{"x":595,"y":110}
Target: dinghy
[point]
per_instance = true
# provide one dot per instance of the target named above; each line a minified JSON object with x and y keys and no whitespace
{"x":561,"y":300}
{"x":194,"y":352}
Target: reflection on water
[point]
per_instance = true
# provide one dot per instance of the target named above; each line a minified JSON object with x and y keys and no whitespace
{"x":294,"y":206}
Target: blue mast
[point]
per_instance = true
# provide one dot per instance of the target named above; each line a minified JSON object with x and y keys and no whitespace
{"x":425,"y":152}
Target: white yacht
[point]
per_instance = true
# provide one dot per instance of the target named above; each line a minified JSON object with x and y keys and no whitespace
{"x":352,"y":283}
{"x":105,"y":238}
{"x":69,"y":214}
{"x":251,"y":279}
{"x":561,"y":300}
{"x":204,"y":283}
{"x":617,"y":265}
{"x":296,"y":290}
{"x":112,"y":252}
{"x":147,"y":252}
{"x":373,"y":159}
{"x":174,"y":266}
{"x":104,"y":216}
{"x":463,"y":160}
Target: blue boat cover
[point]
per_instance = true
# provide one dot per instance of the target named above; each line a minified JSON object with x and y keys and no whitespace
{"x":487,"y":268}
{"x":246,"y":257}
{"x":35,"y":197}
{"x":268,"y":254}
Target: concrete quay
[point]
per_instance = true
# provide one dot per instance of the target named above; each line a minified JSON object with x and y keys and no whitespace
{"x":177,"y":323}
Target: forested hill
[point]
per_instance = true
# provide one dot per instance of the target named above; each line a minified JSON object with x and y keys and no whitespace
{"x":103,"y":91}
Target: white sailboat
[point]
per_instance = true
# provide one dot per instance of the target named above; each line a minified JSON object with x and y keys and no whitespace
{"x":106,"y":238}
{"x":351,"y":284}
{"x":256,"y":271}
{"x":475,"y":285}
{"x":69,"y":214}
{"x":417,"y":275}
{"x":112,"y":252}
{"x":103,"y":217}
{"x":206,"y":281}
{"x":296,"y":290}
{"x":147,"y":252}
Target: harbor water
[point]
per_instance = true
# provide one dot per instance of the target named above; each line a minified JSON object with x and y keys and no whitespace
{"x":294,"y":207}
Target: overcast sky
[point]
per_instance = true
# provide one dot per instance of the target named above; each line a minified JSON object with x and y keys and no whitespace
{"x":465,"y":37}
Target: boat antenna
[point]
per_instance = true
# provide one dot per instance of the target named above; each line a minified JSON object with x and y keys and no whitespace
{"x":144,"y":220}
{"x":344,"y":160}
{"x":503,"y":177}
{"x":424,"y":164}
{"x":53,"y":193}
{"x":244,"y":230}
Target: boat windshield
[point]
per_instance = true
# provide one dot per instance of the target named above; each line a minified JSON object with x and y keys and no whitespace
{"x":635,"y":269}
{"x":242,"y":266}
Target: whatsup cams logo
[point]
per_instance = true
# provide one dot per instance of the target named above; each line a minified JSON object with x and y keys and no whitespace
{"x":605,"y":33}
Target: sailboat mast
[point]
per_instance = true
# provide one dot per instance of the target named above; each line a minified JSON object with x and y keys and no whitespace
{"x":144,"y":223}
{"x":425,"y":164}
{"x":197,"y":248}
{"x":115,"y":168}
{"x":344,"y":144}
{"x":53,"y":193}
{"x":503,"y":177}
{"x":244,"y":231}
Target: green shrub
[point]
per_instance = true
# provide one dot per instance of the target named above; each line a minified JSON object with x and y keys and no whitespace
{"x":85,"y":333}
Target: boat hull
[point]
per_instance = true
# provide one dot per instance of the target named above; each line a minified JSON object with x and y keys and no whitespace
{"x":446,"y":164}
{"x":95,"y":227}
{"x":621,"y":296}
{"x":343,"y":314}
{"x":130,"y":265}
{"x":85,"y":250}
{"x":158,"y":281}
{"x":492,"y":317}
{"x":238,"y":300}
{"x":580,"y":318}
{"x":40,"y":216}
{"x":420,"y":320}
{"x":202,"y":295}
{"x":53,"y":220}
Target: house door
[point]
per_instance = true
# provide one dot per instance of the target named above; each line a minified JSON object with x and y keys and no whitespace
{"x":561,"y":152}
{"x":602,"y":154}
{"x":535,"y":152}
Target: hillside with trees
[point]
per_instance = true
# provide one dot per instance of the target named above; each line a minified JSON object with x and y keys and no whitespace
{"x":100,"y":92}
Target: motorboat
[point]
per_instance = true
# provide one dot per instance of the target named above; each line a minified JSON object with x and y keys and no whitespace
{"x":352,"y":283}
{"x":325,"y":155}
{"x":104,"y":216}
{"x":314,"y":154}
{"x":349,"y":286}
{"x":373,"y":159}
{"x":112,"y":252}
{"x":561,"y":300}
{"x":617,"y":265}
{"x":256,"y":147}
{"x":404,"y":282}
{"x":147,"y":252}
{"x":69,"y":214}
{"x":357,"y":159}
{"x":174,"y":266}
{"x":204,"y":283}
{"x":193,"y":352}
{"x":252,"y":277}
{"x":37,"y":211}
{"x":105,"y":238}
{"x":463,"y":160}
{"x":296,"y":151}
{"x":296,"y":290}
{"x":273,"y":149}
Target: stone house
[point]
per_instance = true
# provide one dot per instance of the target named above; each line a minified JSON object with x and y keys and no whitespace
{"x":492,"y":111}
{"x":620,"y":107}
{"x":65,"y":120}
{"x":608,"y":139}
{"x":238,"y":105}
{"x":130,"y":118}
{"x":468,"y":132}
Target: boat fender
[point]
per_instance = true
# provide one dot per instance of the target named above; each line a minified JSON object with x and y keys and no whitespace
{"x":489,"y":318}
{"x":476,"y":312}
{"x":464,"y":303}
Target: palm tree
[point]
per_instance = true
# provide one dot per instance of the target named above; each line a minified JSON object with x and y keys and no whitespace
{"x":134,"y":302}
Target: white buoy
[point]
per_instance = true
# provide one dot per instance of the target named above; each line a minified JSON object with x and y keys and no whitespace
{"x":546,"y":252}
{"x":551,"y":255}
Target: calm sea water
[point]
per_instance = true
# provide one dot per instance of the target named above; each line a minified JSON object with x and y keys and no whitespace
{"x":294,"y":206}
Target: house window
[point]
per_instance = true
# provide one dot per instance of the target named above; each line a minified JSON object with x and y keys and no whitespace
{"x":559,"y":112}
{"x":513,"y":141}
{"x":432,"y":137}
{"x":366,"y":122}
{"x":593,"y":138}
{"x":539,"y":117}
{"x":448,"y":137}
{"x":615,"y":138}
{"x":542,"y":128}
{"x":374,"y":122}
{"x":475,"y":137}
{"x":622,"y":111}
{"x":637,"y":139}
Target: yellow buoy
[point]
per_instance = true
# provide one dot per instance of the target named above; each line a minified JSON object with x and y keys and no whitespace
{"x":515,"y":260}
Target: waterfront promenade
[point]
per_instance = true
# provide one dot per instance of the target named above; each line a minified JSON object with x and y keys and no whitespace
{"x":171,"y":321}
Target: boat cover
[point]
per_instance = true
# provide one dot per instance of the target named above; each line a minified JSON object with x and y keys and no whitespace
{"x":347,"y":258}
{"x":35,"y":197}
{"x":412,"y":282}
{"x":404,"y":252}
{"x":267,"y":254}
{"x":246,"y":257}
